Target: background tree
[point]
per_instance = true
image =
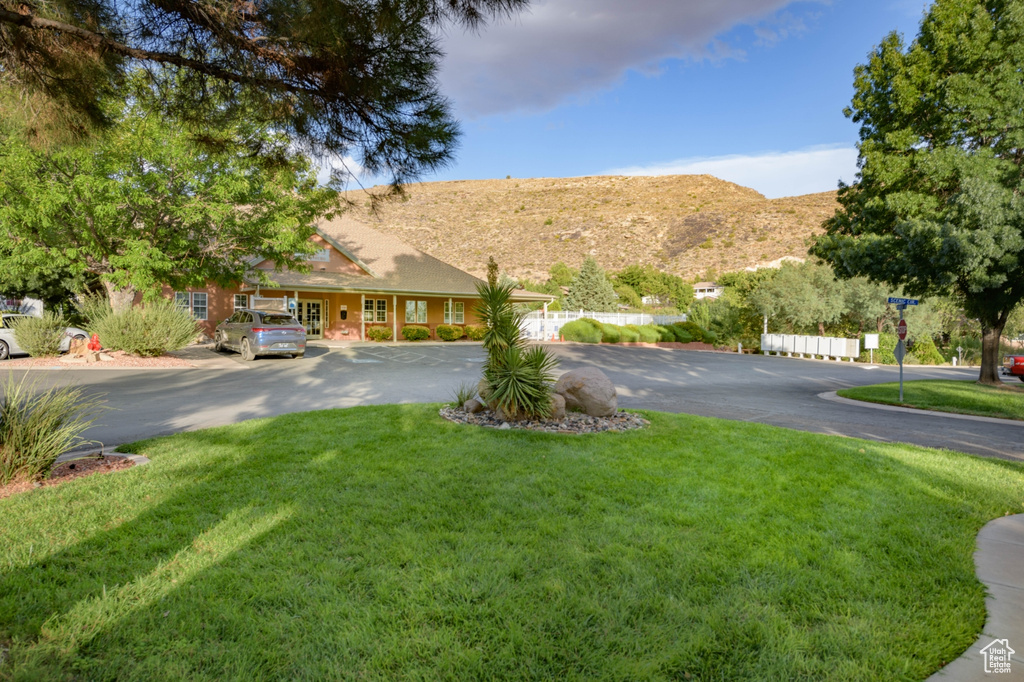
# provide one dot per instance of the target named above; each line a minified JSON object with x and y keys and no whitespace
{"x":591,"y":291}
{"x":346,"y":77}
{"x":145,"y":206}
{"x":561,"y":274}
{"x":938,"y":205}
{"x":647,"y":281}
{"x":807,"y":296}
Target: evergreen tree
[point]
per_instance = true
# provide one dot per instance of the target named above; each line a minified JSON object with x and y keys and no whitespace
{"x":591,"y":291}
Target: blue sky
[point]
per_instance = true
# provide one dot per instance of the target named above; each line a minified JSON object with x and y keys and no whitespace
{"x":749,"y":90}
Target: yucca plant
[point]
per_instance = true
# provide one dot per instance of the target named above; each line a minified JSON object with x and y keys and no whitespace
{"x":519,"y":377}
{"x":36,"y":427}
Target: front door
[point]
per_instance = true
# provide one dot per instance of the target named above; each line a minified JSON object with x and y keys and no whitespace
{"x":310,"y":315}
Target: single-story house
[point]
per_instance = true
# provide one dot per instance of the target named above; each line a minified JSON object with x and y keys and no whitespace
{"x":359,"y":278}
{"x":707,"y":290}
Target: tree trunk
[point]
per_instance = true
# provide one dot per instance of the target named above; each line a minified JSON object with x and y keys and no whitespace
{"x":880,"y":323}
{"x":821,"y":329}
{"x":990,"y":353}
{"x":120,"y":298}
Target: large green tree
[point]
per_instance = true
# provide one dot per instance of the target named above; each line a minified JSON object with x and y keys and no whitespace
{"x":591,"y":291}
{"x":938,"y":204}
{"x":347,"y":77}
{"x":145,"y":205}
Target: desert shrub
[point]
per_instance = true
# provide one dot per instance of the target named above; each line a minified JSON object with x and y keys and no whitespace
{"x":648,"y":333}
{"x":148,"y":330}
{"x":610,"y":333}
{"x":36,"y":427}
{"x":415,"y":332}
{"x":665,"y":333}
{"x":92,"y":308}
{"x":475,"y":332}
{"x":628,"y":335}
{"x":581,"y":331}
{"x":449,"y":332}
{"x":379,"y":333}
{"x":40,"y":336}
{"x":463,"y":393}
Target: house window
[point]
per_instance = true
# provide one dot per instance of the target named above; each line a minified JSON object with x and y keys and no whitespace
{"x":460,"y":313}
{"x":368,"y":307}
{"x":241,"y":301}
{"x":195,"y":303}
{"x":321,"y":256}
{"x":378,"y":306}
{"x":416,"y":312}
{"x":382,"y":310}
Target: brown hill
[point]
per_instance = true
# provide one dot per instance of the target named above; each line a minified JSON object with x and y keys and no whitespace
{"x":688,"y":225}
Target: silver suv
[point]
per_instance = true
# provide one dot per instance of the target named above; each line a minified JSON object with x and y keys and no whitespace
{"x":260,"y":332}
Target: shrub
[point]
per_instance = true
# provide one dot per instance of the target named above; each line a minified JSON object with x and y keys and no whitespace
{"x":629,"y":334}
{"x":148,"y":330}
{"x":665,"y":333}
{"x":40,"y":336}
{"x":927,"y":353}
{"x":690,"y":329}
{"x":710,"y":336}
{"x":475,"y":332}
{"x":415,"y":332}
{"x":449,"y":332}
{"x":37,"y":427}
{"x":649,"y":333}
{"x":580,"y":330}
{"x":379,"y":333}
{"x":884,"y":354}
{"x":610,"y":333}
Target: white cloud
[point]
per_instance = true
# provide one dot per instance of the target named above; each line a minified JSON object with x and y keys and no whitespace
{"x":773,"y":174}
{"x":560,"y":48}
{"x":348,"y":166}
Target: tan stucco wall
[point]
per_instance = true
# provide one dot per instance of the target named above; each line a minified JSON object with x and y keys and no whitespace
{"x":338,"y":263}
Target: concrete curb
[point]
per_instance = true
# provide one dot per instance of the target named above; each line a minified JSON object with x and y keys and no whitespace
{"x":834,"y":397}
{"x":80,"y":454}
{"x":997,"y":561}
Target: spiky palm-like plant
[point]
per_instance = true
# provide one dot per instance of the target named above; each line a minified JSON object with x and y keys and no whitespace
{"x":519,"y":377}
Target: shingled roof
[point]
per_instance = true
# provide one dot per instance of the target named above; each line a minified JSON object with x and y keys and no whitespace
{"x":390,"y":265}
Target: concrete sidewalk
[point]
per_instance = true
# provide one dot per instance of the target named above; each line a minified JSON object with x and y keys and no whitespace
{"x":999,"y":563}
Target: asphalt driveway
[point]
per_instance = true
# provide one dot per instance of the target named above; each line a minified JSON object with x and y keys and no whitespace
{"x":771,"y":390}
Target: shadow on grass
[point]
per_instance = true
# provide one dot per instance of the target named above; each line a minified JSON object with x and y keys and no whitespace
{"x":385,"y":543}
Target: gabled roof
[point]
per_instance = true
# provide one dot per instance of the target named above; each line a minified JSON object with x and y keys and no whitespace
{"x":391,"y":266}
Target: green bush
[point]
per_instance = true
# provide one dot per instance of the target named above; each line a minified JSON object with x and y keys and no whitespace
{"x":449,"y":332}
{"x":475,"y":332}
{"x":415,"y":332}
{"x":927,"y":353}
{"x":691,"y":329}
{"x":610,"y":333}
{"x":148,"y":330}
{"x":628,"y":334}
{"x":379,"y":333}
{"x":710,"y":336}
{"x":884,"y":354}
{"x":581,"y":331}
{"x":665,"y":333}
{"x":36,"y":427}
{"x":40,"y":336}
{"x":649,"y":333}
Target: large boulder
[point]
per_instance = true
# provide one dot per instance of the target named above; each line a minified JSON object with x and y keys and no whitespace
{"x":473,"y":406}
{"x":589,"y":390}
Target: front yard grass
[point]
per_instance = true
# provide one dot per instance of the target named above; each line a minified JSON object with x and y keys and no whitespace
{"x":384,"y":543}
{"x":963,"y":397}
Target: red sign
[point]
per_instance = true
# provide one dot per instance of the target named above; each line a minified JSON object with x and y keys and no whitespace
{"x":901,"y":330}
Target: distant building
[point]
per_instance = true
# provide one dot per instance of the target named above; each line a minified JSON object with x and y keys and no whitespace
{"x":707,"y":290}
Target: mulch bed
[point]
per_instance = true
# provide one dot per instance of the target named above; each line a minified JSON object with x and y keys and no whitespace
{"x":70,"y":470}
{"x":111,"y":360}
{"x":574,"y":422}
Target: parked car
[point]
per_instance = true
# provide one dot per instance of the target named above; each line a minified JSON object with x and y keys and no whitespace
{"x":9,"y":345}
{"x":1014,"y":365}
{"x":260,"y":332}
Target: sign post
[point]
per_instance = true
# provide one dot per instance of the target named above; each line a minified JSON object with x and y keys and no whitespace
{"x":901,"y":331}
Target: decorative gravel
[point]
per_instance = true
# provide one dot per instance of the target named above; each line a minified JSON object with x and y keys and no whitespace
{"x":574,"y":422}
{"x":108,"y":360}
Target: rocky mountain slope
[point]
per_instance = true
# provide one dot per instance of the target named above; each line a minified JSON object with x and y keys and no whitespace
{"x":689,"y":225}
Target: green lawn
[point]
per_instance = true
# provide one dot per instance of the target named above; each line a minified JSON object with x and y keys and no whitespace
{"x":964,"y":397}
{"x":384,"y":543}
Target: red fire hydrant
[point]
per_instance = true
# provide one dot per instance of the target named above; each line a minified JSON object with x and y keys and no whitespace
{"x":94,"y":343}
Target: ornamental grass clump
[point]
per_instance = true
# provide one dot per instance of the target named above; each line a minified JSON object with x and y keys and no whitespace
{"x":36,"y":427}
{"x":147,"y":330}
{"x":40,"y":336}
{"x":519,"y":377}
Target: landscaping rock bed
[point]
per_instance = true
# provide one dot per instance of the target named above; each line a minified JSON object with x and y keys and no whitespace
{"x":69,"y":470}
{"x":572,"y":423}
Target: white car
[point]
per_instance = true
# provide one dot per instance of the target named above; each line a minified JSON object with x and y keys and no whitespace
{"x":9,"y":346}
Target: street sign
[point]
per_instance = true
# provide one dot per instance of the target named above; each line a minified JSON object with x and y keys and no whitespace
{"x":903,"y":301}
{"x":901,"y":330}
{"x":900,"y":353}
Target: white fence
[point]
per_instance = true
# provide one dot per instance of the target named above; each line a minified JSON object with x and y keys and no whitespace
{"x":825,"y":346}
{"x":545,"y":327}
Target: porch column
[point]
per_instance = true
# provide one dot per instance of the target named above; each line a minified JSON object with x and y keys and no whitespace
{"x":451,"y":312}
{"x":394,"y":318}
{"x":544,"y":324}
{"x":362,"y":317}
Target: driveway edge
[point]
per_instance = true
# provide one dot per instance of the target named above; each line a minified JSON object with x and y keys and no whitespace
{"x":834,"y":397}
